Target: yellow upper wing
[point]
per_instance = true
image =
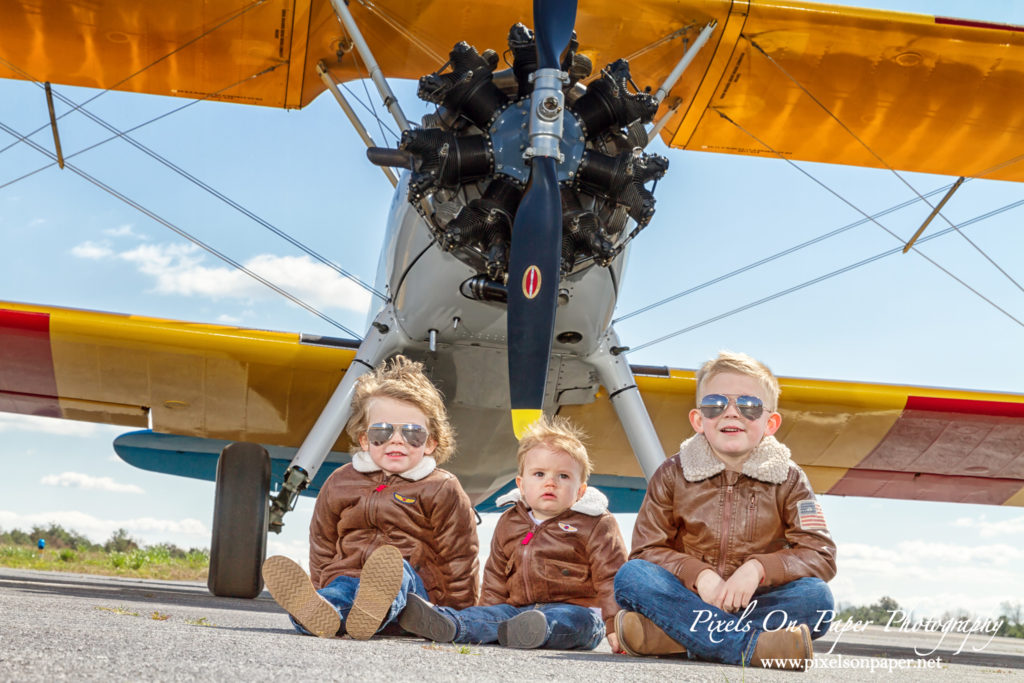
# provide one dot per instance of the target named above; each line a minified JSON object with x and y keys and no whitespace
{"x":812,"y":82}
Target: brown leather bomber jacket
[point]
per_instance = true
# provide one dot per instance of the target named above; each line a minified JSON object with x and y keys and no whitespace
{"x":430,"y":520}
{"x":570,"y":558}
{"x":697,"y":515}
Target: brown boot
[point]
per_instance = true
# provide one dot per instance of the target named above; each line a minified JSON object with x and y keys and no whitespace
{"x":788,"y":648}
{"x":640,"y":636}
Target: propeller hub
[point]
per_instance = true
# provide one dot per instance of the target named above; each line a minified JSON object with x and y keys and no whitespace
{"x":510,"y":139}
{"x":546,"y":113}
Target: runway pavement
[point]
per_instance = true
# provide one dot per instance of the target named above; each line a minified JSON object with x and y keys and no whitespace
{"x":56,"y":626}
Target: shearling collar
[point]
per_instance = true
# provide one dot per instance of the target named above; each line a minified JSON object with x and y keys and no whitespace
{"x":593,"y":503}
{"x":362,"y":462}
{"x":769,"y":462}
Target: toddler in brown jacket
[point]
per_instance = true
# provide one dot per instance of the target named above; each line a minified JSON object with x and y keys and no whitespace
{"x":389,"y":525}
{"x":549,"y":579}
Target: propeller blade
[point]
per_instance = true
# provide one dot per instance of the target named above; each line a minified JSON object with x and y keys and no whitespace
{"x":553,"y":22}
{"x":534,"y":264}
{"x":535,"y":257}
{"x":536,"y":249}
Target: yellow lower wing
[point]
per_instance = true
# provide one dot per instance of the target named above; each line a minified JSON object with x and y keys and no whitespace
{"x":180,"y":378}
{"x":851,"y":438}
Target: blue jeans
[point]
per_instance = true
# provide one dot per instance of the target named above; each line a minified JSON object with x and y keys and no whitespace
{"x":570,"y":627}
{"x":342,"y":592}
{"x":709,"y":633}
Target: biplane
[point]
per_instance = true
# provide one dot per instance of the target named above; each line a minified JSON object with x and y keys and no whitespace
{"x":517,"y":200}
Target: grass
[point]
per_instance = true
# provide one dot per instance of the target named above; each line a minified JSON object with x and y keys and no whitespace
{"x":156,"y":562}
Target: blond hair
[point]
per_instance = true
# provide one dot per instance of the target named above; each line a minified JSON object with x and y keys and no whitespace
{"x":403,"y":380}
{"x":742,"y":364}
{"x":558,"y":434}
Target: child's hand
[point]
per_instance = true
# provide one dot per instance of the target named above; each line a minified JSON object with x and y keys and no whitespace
{"x":740,"y":587}
{"x":613,"y":642}
{"x":709,"y":587}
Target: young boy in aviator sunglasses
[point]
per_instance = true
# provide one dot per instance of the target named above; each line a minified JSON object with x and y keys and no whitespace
{"x":389,"y":524}
{"x":730,"y":549}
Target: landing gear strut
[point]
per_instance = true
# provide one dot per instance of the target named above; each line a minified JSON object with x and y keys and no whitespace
{"x":240,"y":513}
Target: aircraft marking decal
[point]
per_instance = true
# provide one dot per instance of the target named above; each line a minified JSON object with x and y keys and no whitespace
{"x":531,"y":282}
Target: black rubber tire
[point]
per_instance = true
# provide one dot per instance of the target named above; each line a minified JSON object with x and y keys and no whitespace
{"x":240,"y":514}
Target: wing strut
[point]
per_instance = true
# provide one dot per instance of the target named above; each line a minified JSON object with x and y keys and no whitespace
{"x":376,"y":75}
{"x":53,"y":125}
{"x":382,"y":339}
{"x":613,"y":370}
{"x":662,"y":92}
{"x":933,"y":214}
{"x":332,"y":85}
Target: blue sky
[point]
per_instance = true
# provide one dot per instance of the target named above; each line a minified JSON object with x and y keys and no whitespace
{"x":897,"y":320}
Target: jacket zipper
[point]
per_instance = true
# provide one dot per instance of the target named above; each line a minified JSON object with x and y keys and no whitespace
{"x":726,"y":521}
{"x":371,"y":508}
{"x":526,"y":562}
{"x":750,"y":518}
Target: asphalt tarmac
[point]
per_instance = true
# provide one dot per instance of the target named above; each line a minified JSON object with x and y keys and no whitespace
{"x":56,"y":626}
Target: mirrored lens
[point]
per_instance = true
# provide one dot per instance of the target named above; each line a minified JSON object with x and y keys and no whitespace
{"x":713,"y":405}
{"x":750,"y":407}
{"x":380,"y":433}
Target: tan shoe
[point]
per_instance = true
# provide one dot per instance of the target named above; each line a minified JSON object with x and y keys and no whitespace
{"x":379,"y":582}
{"x":292,"y":589}
{"x":640,"y":636}
{"x":788,"y":648}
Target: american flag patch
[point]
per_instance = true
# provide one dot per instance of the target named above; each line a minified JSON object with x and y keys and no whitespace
{"x":811,"y":516}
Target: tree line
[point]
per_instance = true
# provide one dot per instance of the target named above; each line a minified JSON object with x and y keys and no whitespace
{"x":880,"y":612}
{"x":58,"y":538}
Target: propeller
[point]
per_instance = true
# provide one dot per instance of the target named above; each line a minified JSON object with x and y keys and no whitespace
{"x":535,"y":253}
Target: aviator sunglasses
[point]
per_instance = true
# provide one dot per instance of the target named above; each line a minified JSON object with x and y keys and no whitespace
{"x":713,"y":405}
{"x":380,"y":433}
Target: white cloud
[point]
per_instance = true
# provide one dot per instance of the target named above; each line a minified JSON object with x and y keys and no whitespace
{"x":987,"y":529}
{"x":92,"y":250}
{"x":125,"y":230}
{"x":77,"y":480}
{"x":54,"y":425}
{"x":228,"y":319}
{"x":178,"y":269}
{"x":183,"y":532}
{"x":926,"y":576}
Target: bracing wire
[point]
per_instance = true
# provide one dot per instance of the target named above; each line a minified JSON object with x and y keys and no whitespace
{"x":183,"y":233}
{"x":863,"y":213}
{"x":882,"y":161}
{"x":773,"y":257}
{"x":827,"y":276}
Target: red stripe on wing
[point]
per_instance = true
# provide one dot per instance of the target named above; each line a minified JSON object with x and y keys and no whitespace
{"x":965,"y":407}
{"x":27,"y":381}
{"x":950,"y":21}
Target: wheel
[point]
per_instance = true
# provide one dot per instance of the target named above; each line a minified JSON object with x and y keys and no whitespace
{"x":240,"y":514}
